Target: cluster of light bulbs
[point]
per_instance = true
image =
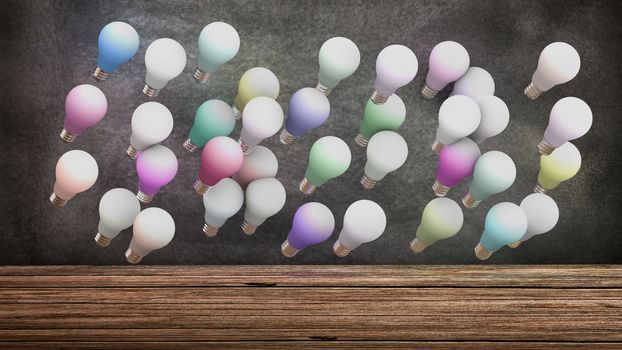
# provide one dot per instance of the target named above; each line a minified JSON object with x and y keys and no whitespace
{"x":233,"y":173}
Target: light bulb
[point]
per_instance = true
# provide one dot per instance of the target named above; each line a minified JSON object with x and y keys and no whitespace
{"x":505,"y":223}
{"x":542,"y":215}
{"x":495,"y":118}
{"x":156,"y":167}
{"x":560,"y":166}
{"x":308,"y":109}
{"x":313,"y":224}
{"x":455,"y":162}
{"x":118,"y":43}
{"x":329,"y":157}
{"x":85,"y":106}
{"x":458,"y":117}
{"x":262,"y":118}
{"x":387,"y":116}
{"x":339,"y":58}
{"x":165,"y":59}
{"x":448,"y":62}
{"x":76,"y":171}
{"x":363,"y":222}
{"x":264,"y":198}
{"x":570,"y":119}
{"x":154,"y":228}
{"x":221,"y":202}
{"x":558,"y":63}
{"x":213,"y":118}
{"x":152,"y":123}
{"x":396,"y":66}
{"x":117,"y":210}
{"x":494,"y":173}
{"x":219,"y":42}
{"x":442,"y":218}
{"x":386,"y":152}
{"x":259,"y":164}
{"x":255,"y":82}
{"x":221,"y":158}
{"x":475,"y":82}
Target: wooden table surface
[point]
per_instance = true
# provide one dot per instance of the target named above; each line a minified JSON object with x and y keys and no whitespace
{"x":316,"y":307}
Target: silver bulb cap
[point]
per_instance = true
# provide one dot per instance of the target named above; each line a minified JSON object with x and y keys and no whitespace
{"x":417,"y":246}
{"x":367,"y":182}
{"x":545,"y":148}
{"x":532,"y":91}
{"x":248,"y":228}
{"x":190,"y":146}
{"x":210,"y":231}
{"x":100,"y":75}
{"x":288,"y":250}
{"x":361,"y":140}
{"x":56,"y":201}
{"x":132,"y":257}
{"x":201,"y":76}
{"x":439,"y":189}
{"x":378,"y":98}
{"x":150,"y":92}
{"x":482,"y":253}
{"x":306,"y":187}
{"x":102,"y":241}
{"x":200,"y":188}
{"x":323,"y":89}
{"x":131,"y":152}
{"x":428,"y":93}
{"x":340,"y":250}
{"x":67,"y":137}
{"x":144,"y":197}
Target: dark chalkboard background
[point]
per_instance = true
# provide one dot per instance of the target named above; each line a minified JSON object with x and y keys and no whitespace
{"x":49,"y":47}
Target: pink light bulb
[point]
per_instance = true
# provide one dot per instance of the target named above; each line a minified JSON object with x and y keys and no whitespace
{"x":85,"y":106}
{"x":156,"y":167}
{"x":222,"y":157}
{"x":456,"y":162}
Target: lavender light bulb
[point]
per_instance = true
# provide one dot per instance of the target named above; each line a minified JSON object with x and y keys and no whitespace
{"x":455,"y":162}
{"x":85,"y":106}
{"x":308,"y":109}
{"x":156,"y":167}
{"x":396,"y":66}
{"x":448,"y":62}
{"x":313,"y":223}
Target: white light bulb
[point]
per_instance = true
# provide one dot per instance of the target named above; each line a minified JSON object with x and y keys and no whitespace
{"x":259,"y":164}
{"x":117,"y":210}
{"x":458,"y":117}
{"x":264,"y":198}
{"x":494,"y":173}
{"x":219,"y":42}
{"x":221,"y":202}
{"x":396,"y":66}
{"x":558,"y":64}
{"x":475,"y":82}
{"x":339,"y":58}
{"x":363,"y":222}
{"x":165,"y":59}
{"x":262,"y":118}
{"x":386,"y":152}
{"x":152,"y":123}
{"x":76,"y":171}
{"x":448,"y":62}
{"x":570,"y":119}
{"x":154,"y":228}
{"x":542,"y":216}
{"x":495,"y":118}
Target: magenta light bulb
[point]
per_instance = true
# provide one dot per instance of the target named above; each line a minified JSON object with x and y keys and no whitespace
{"x":85,"y":106}
{"x":456,"y":162}
{"x":156,"y":167}
{"x":222,"y":157}
{"x":313,"y":223}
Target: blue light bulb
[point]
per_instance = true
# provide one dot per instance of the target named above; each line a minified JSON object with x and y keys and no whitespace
{"x":118,"y":43}
{"x":505,"y":223}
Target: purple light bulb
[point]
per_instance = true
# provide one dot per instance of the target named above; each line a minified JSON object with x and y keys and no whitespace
{"x":156,"y":166}
{"x":308,"y":109}
{"x":85,"y":106}
{"x":313,"y":223}
{"x":456,"y":162}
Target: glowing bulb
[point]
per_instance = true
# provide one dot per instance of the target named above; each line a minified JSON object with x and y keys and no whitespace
{"x":313,"y":224}
{"x":494,"y":173}
{"x":448,"y":62}
{"x":152,"y":123}
{"x":495,"y":117}
{"x":264,"y":198}
{"x":85,"y":106}
{"x":221,"y":202}
{"x":570,"y":119}
{"x":562,"y":165}
{"x":442,"y":218}
{"x":219,"y":42}
{"x":386,"y":152}
{"x":458,"y":117}
{"x":475,"y":82}
{"x":559,"y":63}
{"x":255,"y":82}
{"x":387,"y":116}
{"x":455,"y":162}
{"x":156,"y":167}
{"x":505,"y":223}
{"x":396,"y":66}
{"x":76,"y":172}
{"x":118,"y":43}
{"x":117,"y":210}
{"x":308,"y":109}
{"x":154,"y":228}
{"x":339,"y":58}
{"x":542,"y":215}
{"x":329,"y":157}
{"x":213,"y":118}
{"x":262,"y":118}
{"x":363,"y":222}
{"x":259,"y":164}
{"x":165,"y":59}
{"x":221,"y":158}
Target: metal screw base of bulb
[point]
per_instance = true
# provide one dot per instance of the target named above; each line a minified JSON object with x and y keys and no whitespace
{"x":189,"y":146}
{"x":532,"y":91}
{"x":248,"y":228}
{"x":100,"y":75}
{"x":131,"y":152}
{"x":288,"y":250}
{"x":437,"y":147}
{"x":210,"y":231}
{"x":439,"y":189}
{"x":150,"y":92}
{"x":544,"y":148}
{"x":201,"y":76}
{"x":361,"y":140}
{"x":56,"y":201}
{"x":540,"y":189}
{"x":340,"y":250}
{"x":237,"y":113}
{"x":417,"y":246}
{"x":144,"y":197}
{"x":200,"y":188}
{"x":469,"y":202}
{"x":323,"y":89}
{"x":306,"y":187}
{"x":67,"y":137}
{"x":378,"y":98}
{"x":482,"y":253}
{"x":102,"y":241}
{"x":285,"y":137}
{"x":428,"y":93}
{"x":246,"y":148}
{"x":367,"y":182}
{"x":132,"y":257}
{"x":515,"y":244}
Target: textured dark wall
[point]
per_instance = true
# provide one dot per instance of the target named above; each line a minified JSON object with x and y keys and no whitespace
{"x":50,"y":47}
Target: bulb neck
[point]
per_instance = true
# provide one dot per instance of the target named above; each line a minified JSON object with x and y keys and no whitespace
{"x":236,"y":112}
{"x":102,"y":241}
{"x":190,"y":146}
{"x":132,"y":257}
{"x":306,"y":187}
{"x":150,"y":92}
{"x":378,"y":98}
{"x":144,"y":197}
{"x":515,"y":244}
{"x":67,"y":137}
{"x":200,"y":188}
{"x":417,"y":246}
{"x":56,"y":201}
{"x":540,"y":189}
{"x":361,"y":140}
{"x":131,"y":152}
{"x":439,"y":189}
{"x":428,"y":93}
{"x":340,"y":250}
{"x":248,"y":228}
{"x":246,"y":148}
{"x":437,"y":146}
{"x":201,"y":76}
{"x":100,"y":75}
{"x":285,"y":137}
{"x":288,"y":250}
{"x":210,"y":231}
{"x":323,"y":89}
{"x":532,"y":91}
{"x":367,"y":182}
{"x":482,"y":253}
{"x":469,"y":202}
{"x":545,"y":148}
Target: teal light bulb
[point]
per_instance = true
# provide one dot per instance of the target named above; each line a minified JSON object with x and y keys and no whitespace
{"x":329,"y":157}
{"x":505,"y":223}
{"x":494,"y":173}
{"x":442,"y":218}
{"x":387,"y":116}
{"x":213,"y":118}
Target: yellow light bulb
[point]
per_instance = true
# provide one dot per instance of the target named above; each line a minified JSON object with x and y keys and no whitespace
{"x":561,"y":165}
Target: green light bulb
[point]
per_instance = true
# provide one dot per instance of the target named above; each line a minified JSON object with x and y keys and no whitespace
{"x":213,"y":118}
{"x":329,"y":157}
{"x":387,"y":116}
{"x":442,"y":218}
